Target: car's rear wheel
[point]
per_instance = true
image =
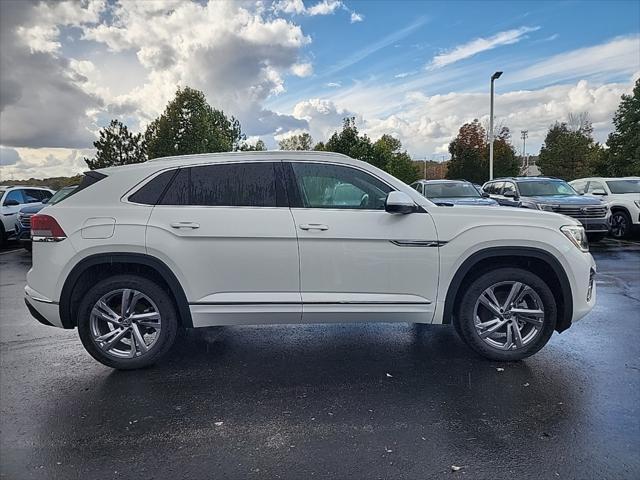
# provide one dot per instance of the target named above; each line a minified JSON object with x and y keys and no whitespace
{"x":127,"y":322}
{"x":620,"y":224}
{"x":507,"y":314}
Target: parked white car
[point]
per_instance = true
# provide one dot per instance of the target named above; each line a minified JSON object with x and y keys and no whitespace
{"x":622,"y":195}
{"x":136,"y":252}
{"x":12,"y":199}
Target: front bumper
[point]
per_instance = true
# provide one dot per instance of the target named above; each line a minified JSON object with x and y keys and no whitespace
{"x":595,"y":225}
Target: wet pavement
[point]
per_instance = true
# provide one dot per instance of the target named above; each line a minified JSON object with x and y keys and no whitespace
{"x":327,"y":401}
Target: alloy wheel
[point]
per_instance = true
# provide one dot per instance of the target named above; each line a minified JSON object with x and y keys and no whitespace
{"x":619,"y":225}
{"x":509,"y":315}
{"x":125,"y":323}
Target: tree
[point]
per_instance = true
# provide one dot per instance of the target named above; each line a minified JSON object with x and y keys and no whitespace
{"x":302,"y":141}
{"x":505,"y":161}
{"x":388,"y":155}
{"x":258,"y":147}
{"x":350,"y":142}
{"x":624,"y":141}
{"x":117,"y":146}
{"x":568,"y":153}
{"x":467,"y":151}
{"x":190,"y":125}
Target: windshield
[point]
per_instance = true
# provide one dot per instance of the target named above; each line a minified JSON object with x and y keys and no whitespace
{"x":61,"y":194}
{"x":624,"y":186}
{"x":450,"y":190}
{"x":545,"y":188}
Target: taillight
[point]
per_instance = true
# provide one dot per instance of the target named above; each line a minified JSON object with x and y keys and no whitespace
{"x":45,"y":228}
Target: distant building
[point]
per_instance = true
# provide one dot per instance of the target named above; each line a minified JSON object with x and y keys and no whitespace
{"x":528,"y":167}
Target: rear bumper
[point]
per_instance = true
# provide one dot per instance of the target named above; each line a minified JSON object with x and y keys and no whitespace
{"x":41,"y":308}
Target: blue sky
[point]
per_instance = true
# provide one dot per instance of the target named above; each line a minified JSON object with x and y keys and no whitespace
{"x":417,"y":69}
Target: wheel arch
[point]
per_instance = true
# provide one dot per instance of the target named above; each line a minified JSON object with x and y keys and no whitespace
{"x":107,"y":264}
{"x":536,"y":260}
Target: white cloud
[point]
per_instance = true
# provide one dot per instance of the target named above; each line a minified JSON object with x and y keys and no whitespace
{"x":324,"y":7}
{"x":356,"y":17}
{"x":322,"y":116}
{"x":290,"y":6}
{"x":302,"y":69}
{"x":333,"y":84}
{"x":46,"y":162}
{"x":479,"y":45}
{"x":620,"y":56}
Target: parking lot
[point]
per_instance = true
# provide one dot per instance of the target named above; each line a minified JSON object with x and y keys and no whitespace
{"x":328,"y":401}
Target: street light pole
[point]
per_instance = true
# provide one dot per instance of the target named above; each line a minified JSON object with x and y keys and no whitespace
{"x":494,"y":77}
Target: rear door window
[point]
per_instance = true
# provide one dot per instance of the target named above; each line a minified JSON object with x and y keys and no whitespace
{"x":227,"y":185}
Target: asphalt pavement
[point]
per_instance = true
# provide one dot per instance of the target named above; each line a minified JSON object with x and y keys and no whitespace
{"x":361,"y":401}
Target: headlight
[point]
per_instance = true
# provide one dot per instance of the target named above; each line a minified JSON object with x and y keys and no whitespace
{"x":545,"y":207}
{"x":577,"y":235}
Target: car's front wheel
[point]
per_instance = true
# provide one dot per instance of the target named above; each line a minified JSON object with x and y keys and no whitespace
{"x":507,"y":314}
{"x":620,"y":224}
{"x":127,"y":322}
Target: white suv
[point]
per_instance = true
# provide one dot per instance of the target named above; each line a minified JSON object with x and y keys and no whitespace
{"x":622,"y":194}
{"x":12,"y":199}
{"x":137,"y":252}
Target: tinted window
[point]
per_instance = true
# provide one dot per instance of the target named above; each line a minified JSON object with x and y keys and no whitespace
{"x":14,"y":195}
{"x":62,"y":194}
{"x":335,"y":186}
{"x":32,"y":195}
{"x":545,"y":188}
{"x":231,"y":185}
{"x":150,"y":193}
{"x":178,"y":191}
{"x":624,"y":186}
{"x":450,"y":190}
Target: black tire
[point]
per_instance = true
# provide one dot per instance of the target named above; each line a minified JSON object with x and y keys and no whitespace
{"x":166,"y":337}
{"x":465,"y":318}
{"x":620,"y":224}
{"x":596,"y":237}
{"x":3,"y":236}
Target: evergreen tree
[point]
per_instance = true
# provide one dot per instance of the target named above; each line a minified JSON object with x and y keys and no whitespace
{"x":302,"y":141}
{"x":624,"y":141}
{"x":117,"y":146}
{"x":190,"y":125}
{"x":568,"y":153}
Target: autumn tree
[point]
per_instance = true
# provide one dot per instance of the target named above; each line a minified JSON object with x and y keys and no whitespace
{"x":190,"y":125}
{"x":117,"y":146}
{"x":302,"y":141}
{"x":468,"y":154}
{"x":623,"y":157}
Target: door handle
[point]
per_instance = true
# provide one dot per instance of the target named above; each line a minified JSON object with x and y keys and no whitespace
{"x":191,"y":225}
{"x":313,"y":226}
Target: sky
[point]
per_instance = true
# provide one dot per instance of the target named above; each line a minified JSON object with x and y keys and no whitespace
{"x":415,"y":69}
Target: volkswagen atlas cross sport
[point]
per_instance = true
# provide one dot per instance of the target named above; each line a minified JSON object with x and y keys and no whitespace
{"x":139,"y":251}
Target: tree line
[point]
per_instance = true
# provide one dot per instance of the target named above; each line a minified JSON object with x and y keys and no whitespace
{"x":569,"y":150}
{"x":189,"y":125}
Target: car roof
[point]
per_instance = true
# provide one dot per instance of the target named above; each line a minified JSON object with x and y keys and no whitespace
{"x":604,"y":179}
{"x":15,"y":187}
{"x":206,"y":158}
{"x":524,"y":179}
{"x":441,"y":180}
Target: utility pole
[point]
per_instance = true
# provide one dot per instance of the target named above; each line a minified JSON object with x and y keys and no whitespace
{"x":523,"y":135}
{"x":494,"y":77}
{"x":425,"y":167}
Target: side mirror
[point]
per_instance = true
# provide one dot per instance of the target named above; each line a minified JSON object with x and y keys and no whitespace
{"x":485,"y":195}
{"x":510,"y":194}
{"x":11,"y":203}
{"x":399,"y":202}
{"x":599,"y":191}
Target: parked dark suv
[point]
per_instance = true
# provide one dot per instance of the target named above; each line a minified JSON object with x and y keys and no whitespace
{"x":552,"y":195}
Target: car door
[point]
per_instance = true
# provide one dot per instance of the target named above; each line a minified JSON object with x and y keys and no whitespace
{"x":358,"y":262}
{"x":227,"y":232}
